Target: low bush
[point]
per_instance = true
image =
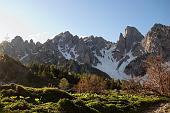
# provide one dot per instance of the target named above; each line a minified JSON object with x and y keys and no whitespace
{"x":91,"y":83}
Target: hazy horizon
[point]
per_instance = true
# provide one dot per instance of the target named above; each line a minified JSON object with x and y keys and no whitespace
{"x":40,"y":20}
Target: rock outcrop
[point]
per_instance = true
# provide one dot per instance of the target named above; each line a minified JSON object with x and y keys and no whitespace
{"x":158,"y":41}
{"x":155,"y":43}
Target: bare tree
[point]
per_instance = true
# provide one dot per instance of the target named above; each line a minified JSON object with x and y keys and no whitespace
{"x":158,"y":76}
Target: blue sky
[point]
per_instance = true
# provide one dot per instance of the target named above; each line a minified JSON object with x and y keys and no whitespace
{"x":43,"y":19}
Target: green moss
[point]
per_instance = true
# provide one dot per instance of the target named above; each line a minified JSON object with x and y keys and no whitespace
{"x":17,"y":99}
{"x":68,"y":106}
{"x":8,"y":92}
{"x":7,"y":99}
{"x":19,"y":105}
{"x":46,"y":108}
{"x":53,"y":95}
{"x":99,"y":106}
{"x":43,"y":94}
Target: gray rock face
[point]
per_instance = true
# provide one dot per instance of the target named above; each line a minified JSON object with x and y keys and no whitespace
{"x":120,"y":48}
{"x":128,"y":48}
{"x":115,"y":59}
{"x":94,"y":51}
{"x":132,"y":36}
{"x":137,"y":67}
{"x":19,"y":49}
{"x":158,"y":41}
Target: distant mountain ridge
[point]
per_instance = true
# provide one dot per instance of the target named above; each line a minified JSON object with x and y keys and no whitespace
{"x":115,"y":59}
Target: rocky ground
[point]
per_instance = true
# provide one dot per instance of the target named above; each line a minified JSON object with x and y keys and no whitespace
{"x":160,"y":108}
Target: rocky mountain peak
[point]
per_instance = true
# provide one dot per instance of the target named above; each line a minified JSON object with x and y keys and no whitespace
{"x":121,"y":37}
{"x":88,"y":39}
{"x":95,"y":51}
{"x":132,"y":36}
{"x":126,"y":42}
{"x":157,"y":26}
{"x":31,"y":41}
{"x":17,"y":39}
{"x":66,"y":34}
{"x":38,"y":44}
{"x":157,"y":41}
{"x":129,"y":31}
{"x":63,"y":37}
{"x":121,"y":44}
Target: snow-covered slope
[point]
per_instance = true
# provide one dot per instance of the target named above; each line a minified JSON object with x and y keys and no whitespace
{"x":109,"y":65}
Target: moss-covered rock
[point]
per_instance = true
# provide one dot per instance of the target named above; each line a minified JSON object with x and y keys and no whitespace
{"x":54,"y":95}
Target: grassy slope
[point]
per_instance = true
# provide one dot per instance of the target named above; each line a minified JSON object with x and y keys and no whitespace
{"x":16,"y":98}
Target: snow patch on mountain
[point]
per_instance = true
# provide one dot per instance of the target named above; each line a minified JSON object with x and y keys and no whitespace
{"x":74,"y":52}
{"x":67,"y":53}
{"x":125,"y":63}
{"x":64,"y":53}
{"x":109,"y":65}
{"x":22,"y":58}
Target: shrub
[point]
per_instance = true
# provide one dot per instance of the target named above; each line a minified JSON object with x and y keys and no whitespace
{"x":64,"y":84}
{"x":91,"y":83}
{"x":132,"y":86}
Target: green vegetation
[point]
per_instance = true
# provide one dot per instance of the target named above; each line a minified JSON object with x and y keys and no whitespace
{"x":59,"y":90}
{"x":64,"y":84}
{"x":51,"y":75}
{"x":16,"y":99}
